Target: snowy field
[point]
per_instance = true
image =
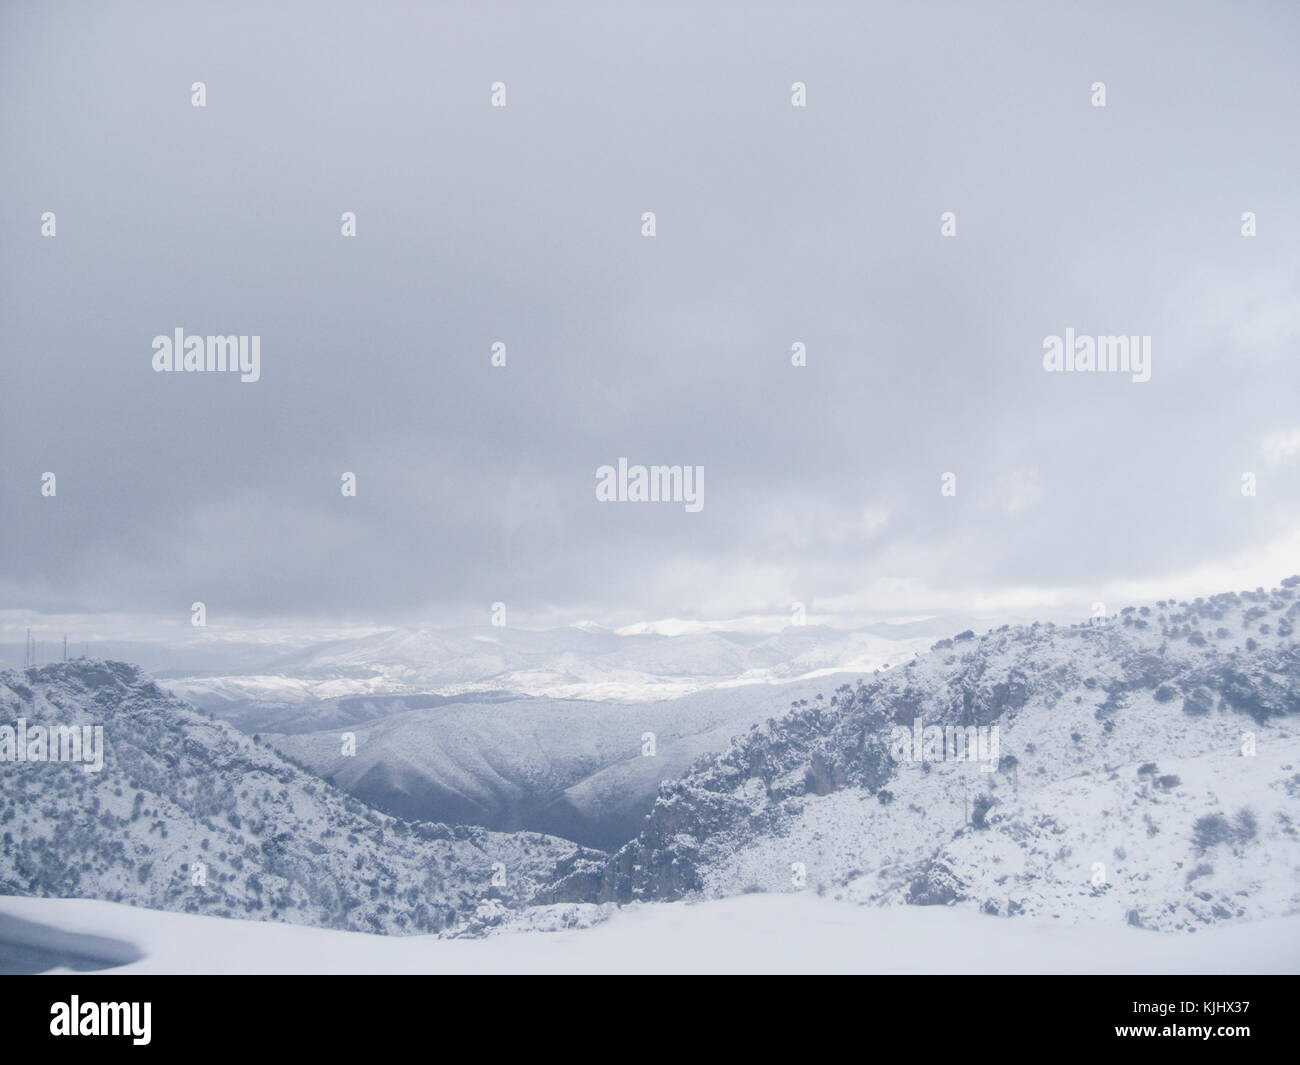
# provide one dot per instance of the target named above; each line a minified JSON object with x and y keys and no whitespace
{"x":780,"y":933}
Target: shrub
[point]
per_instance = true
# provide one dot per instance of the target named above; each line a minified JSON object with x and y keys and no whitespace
{"x":1211,"y":830}
{"x":1165,"y":693}
{"x":1244,"y":825}
{"x":1115,"y":700}
{"x":1215,"y":828}
{"x":1198,"y":703}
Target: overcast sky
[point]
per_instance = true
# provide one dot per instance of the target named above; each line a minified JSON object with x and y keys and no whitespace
{"x":522,"y":224}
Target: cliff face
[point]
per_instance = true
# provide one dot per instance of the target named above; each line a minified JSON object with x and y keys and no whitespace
{"x":825,"y":798}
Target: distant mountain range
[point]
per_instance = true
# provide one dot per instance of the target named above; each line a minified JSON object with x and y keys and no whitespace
{"x":520,"y":729}
{"x":569,"y":663}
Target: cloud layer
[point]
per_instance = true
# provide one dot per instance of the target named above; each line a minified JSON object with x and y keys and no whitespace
{"x":775,"y":225}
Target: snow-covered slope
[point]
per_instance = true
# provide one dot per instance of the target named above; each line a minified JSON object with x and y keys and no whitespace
{"x":582,"y":770}
{"x":189,"y":814}
{"x":1148,"y":772}
{"x":749,"y":934}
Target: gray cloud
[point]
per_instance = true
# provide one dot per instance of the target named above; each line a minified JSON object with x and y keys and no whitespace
{"x":775,"y":224}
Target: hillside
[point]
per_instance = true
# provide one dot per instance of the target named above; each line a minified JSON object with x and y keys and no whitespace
{"x":1121,"y":793}
{"x":189,"y":814}
{"x":571,"y":768}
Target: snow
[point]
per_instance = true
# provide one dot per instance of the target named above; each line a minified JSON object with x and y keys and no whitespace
{"x":191,"y":814}
{"x":1128,"y":739}
{"x":1048,"y":834}
{"x":748,"y":934}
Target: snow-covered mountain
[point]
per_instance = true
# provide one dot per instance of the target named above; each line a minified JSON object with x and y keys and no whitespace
{"x":1147,"y":770}
{"x":587,"y":771}
{"x":189,"y":814}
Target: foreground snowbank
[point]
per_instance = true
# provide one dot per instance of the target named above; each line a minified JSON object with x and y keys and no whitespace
{"x":750,"y":934}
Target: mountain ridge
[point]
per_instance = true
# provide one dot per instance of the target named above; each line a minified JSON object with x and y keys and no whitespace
{"x":821,"y":790}
{"x":190,"y":814}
